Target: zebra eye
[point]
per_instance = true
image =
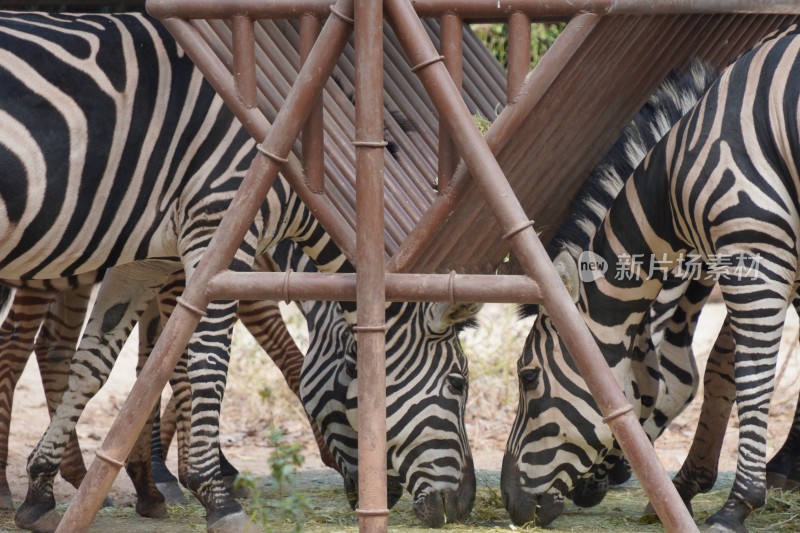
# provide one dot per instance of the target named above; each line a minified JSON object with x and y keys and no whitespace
{"x":456,"y":383}
{"x":529,"y":378}
{"x":350,"y":367}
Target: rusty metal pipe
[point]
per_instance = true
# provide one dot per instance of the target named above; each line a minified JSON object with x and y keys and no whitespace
{"x":473,"y":9}
{"x":217,"y":73}
{"x":452,"y":47}
{"x":697,"y":7}
{"x":373,"y":511}
{"x":226,"y":240}
{"x":244,"y":73}
{"x":519,"y":53}
{"x":171,"y":343}
{"x":535,"y":262}
{"x":399,"y":287}
{"x":502,"y":131}
{"x":312,"y":137}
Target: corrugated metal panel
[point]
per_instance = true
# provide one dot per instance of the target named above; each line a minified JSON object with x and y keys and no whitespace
{"x":411,"y":175}
{"x":565,"y":134}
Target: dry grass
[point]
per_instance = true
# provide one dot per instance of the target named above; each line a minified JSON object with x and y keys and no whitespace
{"x":329,"y":513}
{"x":492,"y":350}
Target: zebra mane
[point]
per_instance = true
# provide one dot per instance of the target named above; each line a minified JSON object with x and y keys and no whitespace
{"x":676,"y":95}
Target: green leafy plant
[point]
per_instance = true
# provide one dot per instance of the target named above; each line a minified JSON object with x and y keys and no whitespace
{"x":288,"y":504}
{"x":495,"y":37}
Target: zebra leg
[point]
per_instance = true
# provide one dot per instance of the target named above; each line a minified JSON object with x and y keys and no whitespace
{"x":168,"y":427}
{"x":178,"y":413}
{"x":149,"y":502}
{"x":793,"y":479}
{"x":17,"y":335}
{"x":784,"y":464}
{"x":54,"y":348}
{"x":756,"y":337}
{"x":182,"y":428}
{"x":124,"y":294}
{"x":208,"y":364}
{"x":164,"y":426}
{"x":699,"y":471}
{"x":153,"y":453}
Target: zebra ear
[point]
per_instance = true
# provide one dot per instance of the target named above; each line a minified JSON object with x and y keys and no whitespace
{"x":568,"y":272}
{"x":442,"y":316}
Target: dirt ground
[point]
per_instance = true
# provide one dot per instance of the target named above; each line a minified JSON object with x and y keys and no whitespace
{"x":245,"y":415}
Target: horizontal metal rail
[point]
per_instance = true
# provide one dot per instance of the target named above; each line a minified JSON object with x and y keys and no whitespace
{"x":399,"y":287}
{"x":475,"y":8}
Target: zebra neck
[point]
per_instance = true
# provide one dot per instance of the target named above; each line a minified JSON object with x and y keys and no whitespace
{"x":637,"y":246}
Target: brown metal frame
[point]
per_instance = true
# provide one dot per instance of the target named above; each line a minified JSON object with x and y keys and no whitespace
{"x":373,"y":285}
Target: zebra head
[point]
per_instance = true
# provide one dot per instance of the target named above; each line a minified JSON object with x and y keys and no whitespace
{"x":558,"y":434}
{"x":428,"y":454}
{"x":427,"y":386}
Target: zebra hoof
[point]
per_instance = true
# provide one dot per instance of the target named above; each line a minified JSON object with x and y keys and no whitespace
{"x":791,"y":485}
{"x":150,"y":509}
{"x":240,"y":492}
{"x":38,"y":523}
{"x":173,"y":495}
{"x":775,"y":480}
{"x":649,"y":516}
{"x":234,"y":523}
{"x":107,"y":502}
{"x":723,"y":522}
{"x":720,"y":528}
{"x":6,"y":503}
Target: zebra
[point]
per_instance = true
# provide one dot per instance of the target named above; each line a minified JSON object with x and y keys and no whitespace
{"x":159,"y":146}
{"x":329,"y":387}
{"x":61,"y":317}
{"x":727,"y":188}
{"x":665,"y":367}
{"x":49,"y":322}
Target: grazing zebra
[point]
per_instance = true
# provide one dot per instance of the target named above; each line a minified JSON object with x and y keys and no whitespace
{"x":104,"y":116}
{"x":722,"y":184}
{"x":664,"y":366}
{"x":329,"y":389}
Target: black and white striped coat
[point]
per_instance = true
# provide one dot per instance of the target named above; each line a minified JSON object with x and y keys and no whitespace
{"x":664,"y":365}
{"x":117,"y":155}
{"x":723,"y":183}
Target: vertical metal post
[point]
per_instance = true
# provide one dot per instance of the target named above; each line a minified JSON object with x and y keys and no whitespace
{"x":312,"y":137}
{"x":244,"y":63}
{"x":452,"y":46}
{"x":535,"y":262}
{"x":519,"y":53}
{"x":373,"y":512}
